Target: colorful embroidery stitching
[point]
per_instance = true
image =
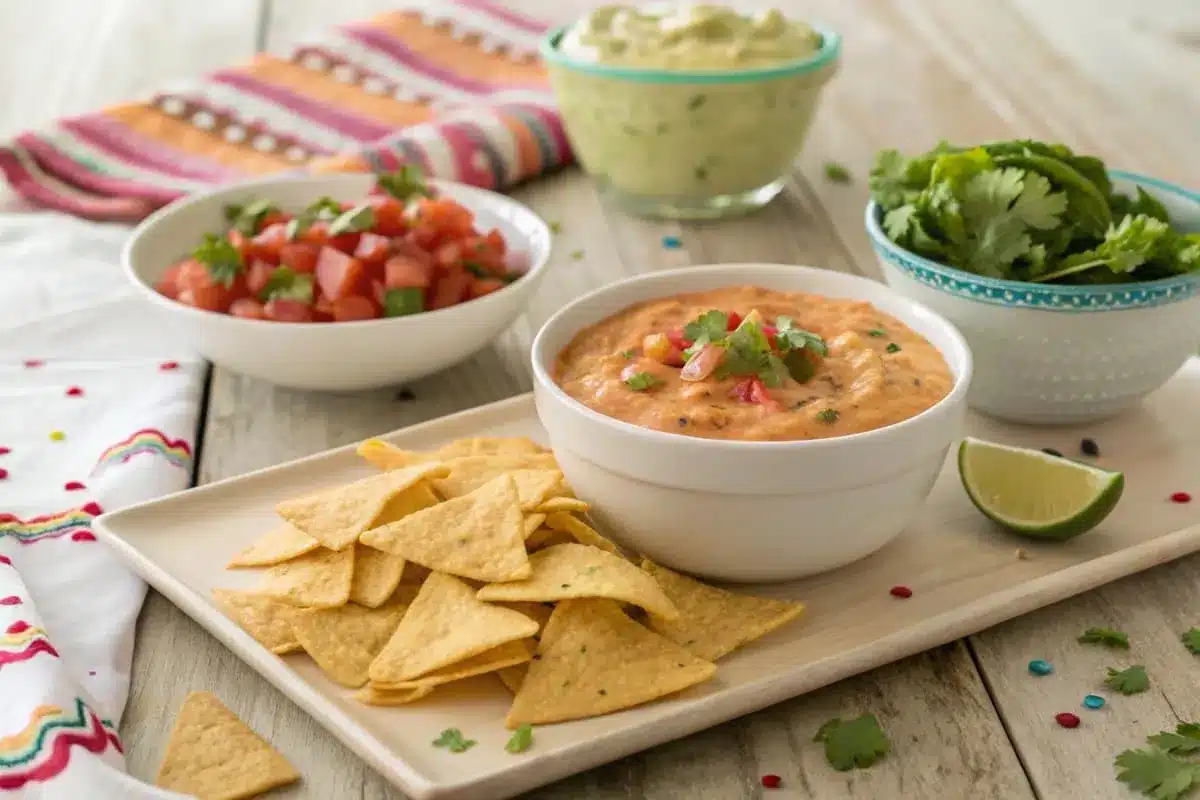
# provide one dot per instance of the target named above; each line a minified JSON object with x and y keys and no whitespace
{"x":50,"y":526}
{"x":24,"y":644}
{"x":42,"y":749}
{"x":148,"y":440}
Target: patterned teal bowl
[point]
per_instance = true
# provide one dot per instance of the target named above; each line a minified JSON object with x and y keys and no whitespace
{"x":1060,"y":354}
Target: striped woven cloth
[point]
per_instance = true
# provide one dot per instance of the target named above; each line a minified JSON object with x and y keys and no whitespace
{"x":454,"y":86}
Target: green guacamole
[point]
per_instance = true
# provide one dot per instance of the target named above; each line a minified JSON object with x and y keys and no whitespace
{"x":701,"y":37}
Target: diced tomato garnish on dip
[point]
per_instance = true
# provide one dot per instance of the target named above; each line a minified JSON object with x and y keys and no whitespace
{"x":402,"y":250}
{"x":719,"y":346}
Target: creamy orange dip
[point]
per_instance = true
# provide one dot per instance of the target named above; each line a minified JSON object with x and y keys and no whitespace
{"x":874,"y":372}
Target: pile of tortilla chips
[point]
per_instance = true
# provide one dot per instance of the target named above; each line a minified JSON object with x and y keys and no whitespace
{"x":475,"y":559}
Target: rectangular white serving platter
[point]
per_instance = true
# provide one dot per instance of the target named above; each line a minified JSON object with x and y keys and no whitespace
{"x":965,"y":576}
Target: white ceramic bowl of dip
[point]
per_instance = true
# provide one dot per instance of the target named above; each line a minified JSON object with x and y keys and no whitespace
{"x":747,"y":511}
{"x":335,"y":356}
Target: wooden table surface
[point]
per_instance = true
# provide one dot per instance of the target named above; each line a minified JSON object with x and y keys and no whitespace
{"x":1109,"y":77}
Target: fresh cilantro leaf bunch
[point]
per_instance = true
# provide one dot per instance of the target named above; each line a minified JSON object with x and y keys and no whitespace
{"x":1027,"y":211}
{"x":1168,"y":769}
{"x":857,"y":743}
{"x":749,"y":352}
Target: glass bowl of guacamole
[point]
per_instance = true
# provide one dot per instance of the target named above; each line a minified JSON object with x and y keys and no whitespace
{"x":688,"y":111}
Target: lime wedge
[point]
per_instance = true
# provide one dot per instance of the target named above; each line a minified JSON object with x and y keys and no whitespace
{"x":1036,"y":494}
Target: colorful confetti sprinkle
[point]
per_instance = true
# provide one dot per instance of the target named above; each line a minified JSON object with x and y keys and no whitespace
{"x":672,"y":242}
{"x":74,"y":486}
{"x":1067,"y":720}
{"x":1040,"y":667}
{"x":771,"y":781}
{"x":1181,"y":497}
{"x":57,"y":436}
{"x":900,"y":591}
{"x":168,"y":365}
{"x":75,"y":391}
{"x":33,"y":363}
{"x":1093,"y":701}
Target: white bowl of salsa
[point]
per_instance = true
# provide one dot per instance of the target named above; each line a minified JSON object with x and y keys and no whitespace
{"x":330,"y":287}
{"x":810,"y":442}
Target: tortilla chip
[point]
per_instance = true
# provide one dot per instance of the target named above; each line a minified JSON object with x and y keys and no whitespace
{"x":416,"y":497}
{"x":713,"y":622}
{"x":374,"y":696}
{"x":490,"y":446}
{"x":532,"y":523}
{"x":480,"y":535}
{"x":580,"y":531}
{"x":213,"y":755}
{"x":506,"y":655}
{"x":388,"y":457}
{"x":274,"y":547}
{"x":406,"y":592}
{"x":268,"y":621}
{"x":546,"y":537}
{"x":376,"y":576}
{"x":470,"y":472}
{"x":562,"y":504}
{"x":592,"y":659}
{"x":444,"y":625}
{"x":320,"y":579}
{"x":337,"y":515}
{"x":512,"y":677}
{"x":568,"y":571}
{"x":538,"y":612}
{"x":344,"y":641}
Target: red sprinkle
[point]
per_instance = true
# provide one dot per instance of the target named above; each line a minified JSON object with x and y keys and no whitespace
{"x":75,"y":391}
{"x":5,"y":451}
{"x":771,"y":781}
{"x":3,"y":473}
{"x":18,"y":627}
{"x":1181,"y":497}
{"x":169,"y":365}
{"x":900,"y":591}
{"x":1067,"y":719}
{"x":33,"y":362}
{"x":11,"y":600}
{"x":73,"y":486}
{"x":82,"y":536}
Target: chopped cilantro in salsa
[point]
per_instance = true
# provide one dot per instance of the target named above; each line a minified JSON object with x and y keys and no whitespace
{"x":642,"y":381}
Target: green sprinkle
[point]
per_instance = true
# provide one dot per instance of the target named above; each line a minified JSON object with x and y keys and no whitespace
{"x":829,"y":415}
{"x":893,"y":347}
{"x":836,"y":173}
{"x":452,"y":739}
{"x":521,"y":740}
{"x":642,"y":381}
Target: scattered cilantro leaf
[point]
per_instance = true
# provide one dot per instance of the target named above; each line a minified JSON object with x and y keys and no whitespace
{"x":1156,"y":774}
{"x":711,"y":326}
{"x":452,"y":739}
{"x":246,"y":219}
{"x":1133,"y":680}
{"x":555,"y":226}
{"x":576,"y":255}
{"x":877,"y":332}
{"x":858,"y":743}
{"x":323,"y":208}
{"x":476,"y":270}
{"x":1191,"y":640}
{"x":1185,"y":739}
{"x":1105,"y":636}
{"x":893,"y":347}
{"x":521,"y":740}
{"x":628,"y":354}
{"x":789,"y":337}
{"x":220,"y":258}
{"x":836,"y":173}
{"x":642,"y":381}
{"x":286,"y":284}
{"x":404,"y":184}
{"x":829,"y":415}
{"x":356,"y":220}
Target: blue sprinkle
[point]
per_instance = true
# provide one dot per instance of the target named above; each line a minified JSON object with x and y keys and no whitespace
{"x":672,"y":242}
{"x":1040,"y":667}
{"x":1093,"y":701}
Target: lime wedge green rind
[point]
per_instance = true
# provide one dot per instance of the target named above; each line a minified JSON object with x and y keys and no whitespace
{"x":1035,"y":494}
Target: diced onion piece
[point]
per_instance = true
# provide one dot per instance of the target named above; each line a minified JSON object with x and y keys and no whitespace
{"x":701,"y":365}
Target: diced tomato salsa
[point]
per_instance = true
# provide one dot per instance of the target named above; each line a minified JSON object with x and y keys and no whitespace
{"x":402,"y":250}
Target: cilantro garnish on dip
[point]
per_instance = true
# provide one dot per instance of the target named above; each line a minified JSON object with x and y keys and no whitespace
{"x":1027,"y":211}
{"x":755,"y":364}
